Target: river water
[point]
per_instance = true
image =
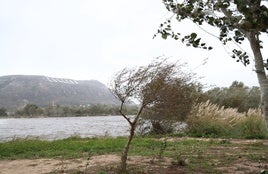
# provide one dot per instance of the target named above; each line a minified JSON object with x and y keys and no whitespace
{"x":53,"y":128}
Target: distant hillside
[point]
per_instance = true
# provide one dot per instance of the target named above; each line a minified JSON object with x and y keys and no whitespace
{"x":18,"y":90}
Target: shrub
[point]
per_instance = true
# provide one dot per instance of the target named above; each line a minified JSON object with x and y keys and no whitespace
{"x":252,"y":125}
{"x":210,"y":120}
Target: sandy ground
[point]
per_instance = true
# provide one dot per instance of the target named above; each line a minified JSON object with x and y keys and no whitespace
{"x":43,"y":166}
{"x":37,"y":166}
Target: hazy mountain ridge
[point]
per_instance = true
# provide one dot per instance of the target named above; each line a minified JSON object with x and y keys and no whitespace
{"x":19,"y":90}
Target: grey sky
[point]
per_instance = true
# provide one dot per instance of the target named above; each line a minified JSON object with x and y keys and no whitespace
{"x":89,"y":39}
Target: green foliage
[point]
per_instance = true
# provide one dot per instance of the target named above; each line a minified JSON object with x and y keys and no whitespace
{"x":3,"y":112}
{"x":211,"y":130}
{"x":98,"y":109}
{"x":252,"y":126}
{"x":236,"y":96}
{"x":30,"y":110}
{"x":92,"y":110}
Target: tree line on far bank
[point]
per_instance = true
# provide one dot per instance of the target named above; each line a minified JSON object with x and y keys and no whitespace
{"x":32,"y":110}
{"x":237,"y":95}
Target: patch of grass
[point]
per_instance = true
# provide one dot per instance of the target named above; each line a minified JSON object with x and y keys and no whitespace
{"x":69,"y":148}
{"x":145,"y":146}
{"x":76,"y":147}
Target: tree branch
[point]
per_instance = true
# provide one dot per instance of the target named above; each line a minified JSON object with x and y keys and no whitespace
{"x":124,"y":115}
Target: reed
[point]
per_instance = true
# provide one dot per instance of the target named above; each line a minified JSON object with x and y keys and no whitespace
{"x":210,"y":120}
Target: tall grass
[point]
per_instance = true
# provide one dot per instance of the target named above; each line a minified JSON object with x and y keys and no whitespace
{"x":251,"y":126}
{"x":210,"y":120}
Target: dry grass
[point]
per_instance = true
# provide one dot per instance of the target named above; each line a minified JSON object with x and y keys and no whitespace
{"x":207,"y":119}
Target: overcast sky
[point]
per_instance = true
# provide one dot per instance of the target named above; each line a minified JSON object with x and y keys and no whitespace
{"x":89,"y":39}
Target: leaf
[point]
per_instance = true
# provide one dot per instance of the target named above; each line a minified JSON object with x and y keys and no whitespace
{"x":196,"y":43}
{"x":193,"y":35}
{"x":164,"y":36}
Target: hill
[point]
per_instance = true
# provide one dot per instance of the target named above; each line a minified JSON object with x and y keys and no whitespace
{"x":18,"y":90}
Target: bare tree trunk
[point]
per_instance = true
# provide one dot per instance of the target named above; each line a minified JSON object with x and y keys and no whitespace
{"x":123,"y":166}
{"x":260,"y":70}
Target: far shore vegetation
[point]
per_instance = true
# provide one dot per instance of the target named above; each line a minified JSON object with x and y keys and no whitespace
{"x":33,"y":110}
{"x":237,"y":96}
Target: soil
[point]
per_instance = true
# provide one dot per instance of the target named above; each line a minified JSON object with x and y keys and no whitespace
{"x":92,"y":166}
{"x":145,"y":165}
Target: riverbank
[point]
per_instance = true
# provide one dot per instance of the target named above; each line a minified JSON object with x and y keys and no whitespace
{"x":147,"y":155}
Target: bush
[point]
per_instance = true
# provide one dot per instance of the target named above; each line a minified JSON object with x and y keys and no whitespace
{"x":210,"y":120}
{"x":251,"y":126}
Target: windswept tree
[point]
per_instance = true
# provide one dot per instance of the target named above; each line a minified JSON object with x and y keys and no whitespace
{"x":237,"y":20}
{"x":144,"y":85}
{"x":175,"y":99}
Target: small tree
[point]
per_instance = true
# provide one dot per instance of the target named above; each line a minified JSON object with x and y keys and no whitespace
{"x":136,"y":85}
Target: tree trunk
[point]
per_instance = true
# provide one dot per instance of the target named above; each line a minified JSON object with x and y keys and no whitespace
{"x":123,"y":166}
{"x":254,"y":41}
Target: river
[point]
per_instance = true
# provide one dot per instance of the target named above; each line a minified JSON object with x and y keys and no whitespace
{"x":53,"y":128}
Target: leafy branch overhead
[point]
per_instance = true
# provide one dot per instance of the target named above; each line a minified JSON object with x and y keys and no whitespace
{"x":190,"y":40}
{"x":235,"y":19}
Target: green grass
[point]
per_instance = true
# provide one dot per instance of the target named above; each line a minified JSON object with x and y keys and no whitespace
{"x":70,"y":148}
{"x":74,"y":147}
